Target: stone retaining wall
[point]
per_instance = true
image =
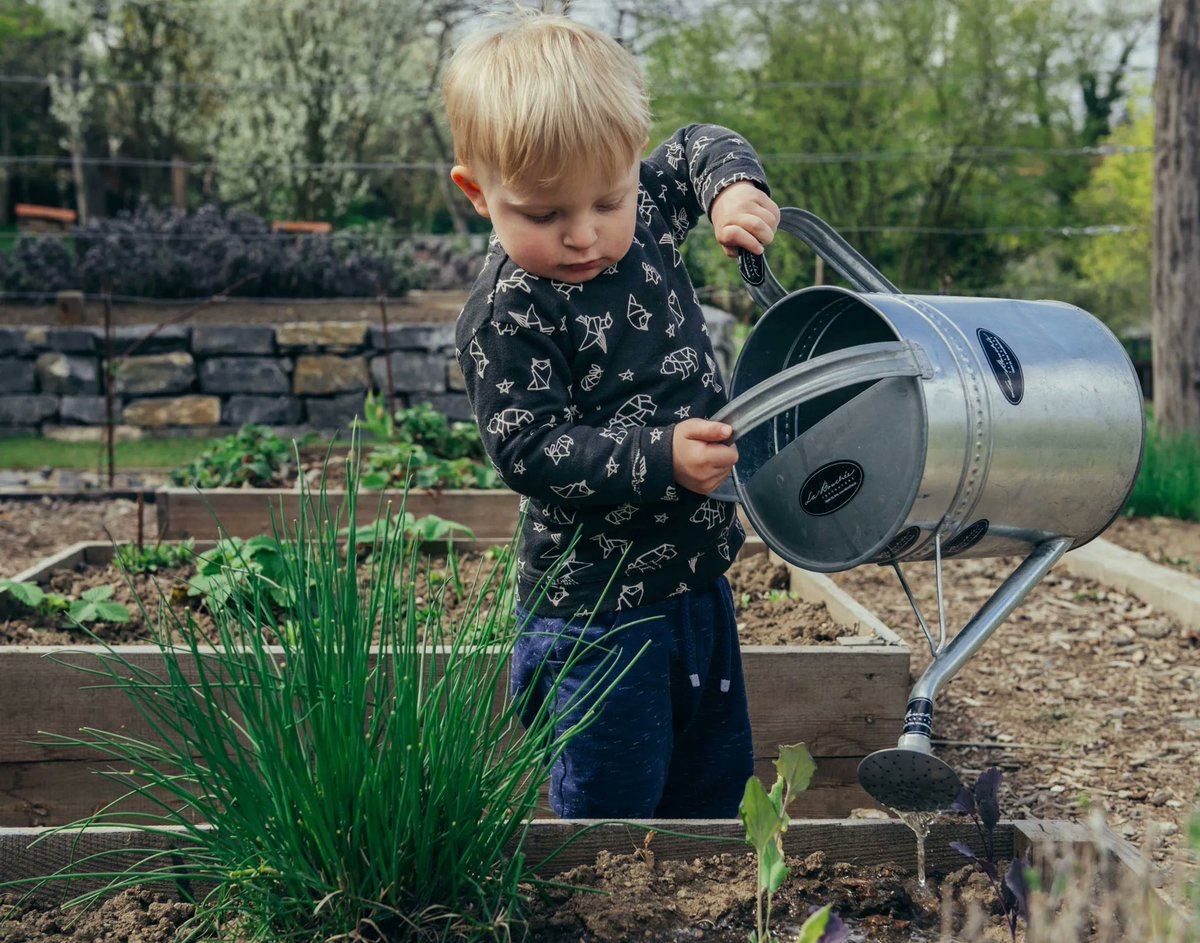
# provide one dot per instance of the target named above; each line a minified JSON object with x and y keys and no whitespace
{"x":212,"y":378}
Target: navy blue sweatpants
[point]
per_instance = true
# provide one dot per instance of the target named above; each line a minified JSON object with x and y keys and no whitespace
{"x":672,"y":739}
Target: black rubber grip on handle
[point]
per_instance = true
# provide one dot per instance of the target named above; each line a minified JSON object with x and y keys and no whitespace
{"x":752,"y":267}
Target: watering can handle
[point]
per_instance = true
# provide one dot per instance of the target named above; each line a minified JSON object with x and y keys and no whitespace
{"x":812,"y":378}
{"x":823,"y":239}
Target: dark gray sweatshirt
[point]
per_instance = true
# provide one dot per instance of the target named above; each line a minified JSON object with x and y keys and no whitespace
{"x":577,"y":389}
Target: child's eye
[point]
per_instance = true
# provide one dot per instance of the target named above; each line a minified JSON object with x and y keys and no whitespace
{"x":543,"y":218}
{"x":609,"y":207}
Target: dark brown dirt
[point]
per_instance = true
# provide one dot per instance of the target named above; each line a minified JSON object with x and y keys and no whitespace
{"x":709,"y":898}
{"x":1085,"y":697}
{"x":713,"y":899}
{"x":767,"y":614}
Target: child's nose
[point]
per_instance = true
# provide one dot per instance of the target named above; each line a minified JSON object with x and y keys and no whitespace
{"x":580,"y":234}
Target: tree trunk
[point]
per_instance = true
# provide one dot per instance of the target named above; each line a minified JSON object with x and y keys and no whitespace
{"x":1176,"y":235}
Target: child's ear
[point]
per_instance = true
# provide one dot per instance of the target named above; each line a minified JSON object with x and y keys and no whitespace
{"x":469,"y":185}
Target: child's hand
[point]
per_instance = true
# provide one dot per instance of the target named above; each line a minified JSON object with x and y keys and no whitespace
{"x":743,"y":217}
{"x":701,"y":455}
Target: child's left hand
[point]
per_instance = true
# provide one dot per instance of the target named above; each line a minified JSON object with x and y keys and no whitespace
{"x":744,"y":217}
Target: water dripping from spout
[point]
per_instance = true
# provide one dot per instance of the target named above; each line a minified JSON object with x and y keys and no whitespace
{"x":919,"y":822}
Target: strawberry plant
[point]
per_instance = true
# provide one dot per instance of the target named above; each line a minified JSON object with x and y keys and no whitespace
{"x":152,"y":559}
{"x":95,"y":604}
{"x":419,"y":445}
{"x":254,"y":456}
{"x":237,"y":570}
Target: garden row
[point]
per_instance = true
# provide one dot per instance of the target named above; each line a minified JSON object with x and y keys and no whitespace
{"x":844,"y":698}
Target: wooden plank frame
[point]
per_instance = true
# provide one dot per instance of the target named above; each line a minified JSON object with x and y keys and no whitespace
{"x":35,"y":852}
{"x":844,"y":700}
{"x":245,"y":512}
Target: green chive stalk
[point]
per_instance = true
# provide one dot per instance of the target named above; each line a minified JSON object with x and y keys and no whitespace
{"x":325,"y":771}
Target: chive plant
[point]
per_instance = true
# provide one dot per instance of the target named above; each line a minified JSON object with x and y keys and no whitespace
{"x":332,"y":784}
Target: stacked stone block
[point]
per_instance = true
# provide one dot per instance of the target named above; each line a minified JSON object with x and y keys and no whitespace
{"x":212,"y":378}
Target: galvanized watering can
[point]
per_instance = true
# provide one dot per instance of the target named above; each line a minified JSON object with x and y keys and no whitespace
{"x":879,"y":427}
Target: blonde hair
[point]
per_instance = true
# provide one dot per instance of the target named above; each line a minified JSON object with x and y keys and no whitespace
{"x":543,"y":98}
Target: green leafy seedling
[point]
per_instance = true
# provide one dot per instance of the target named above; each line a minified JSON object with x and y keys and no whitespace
{"x":764,"y":814}
{"x":96,"y":606}
{"x":29,"y":595}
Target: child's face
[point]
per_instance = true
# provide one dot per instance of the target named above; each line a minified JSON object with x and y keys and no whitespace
{"x":570,"y":232}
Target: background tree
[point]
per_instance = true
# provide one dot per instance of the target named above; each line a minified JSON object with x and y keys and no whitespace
{"x":320,"y":83}
{"x":31,"y":47}
{"x":1114,"y":267}
{"x":1176,"y":266}
{"x":926,"y":131}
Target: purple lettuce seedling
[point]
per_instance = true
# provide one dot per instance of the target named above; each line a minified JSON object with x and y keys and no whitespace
{"x":983,"y":805}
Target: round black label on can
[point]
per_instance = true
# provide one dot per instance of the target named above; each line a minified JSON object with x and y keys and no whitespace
{"x":830,"y":488}
{"x":902,"y":542}
{"x":1005,"y":365}
{"x":966,"y":539}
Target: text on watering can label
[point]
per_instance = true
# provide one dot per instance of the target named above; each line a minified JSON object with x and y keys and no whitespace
{"x":1005,"y":365}
{"x":830,"y":488}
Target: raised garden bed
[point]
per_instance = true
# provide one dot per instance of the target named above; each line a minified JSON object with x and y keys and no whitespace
{"x":845,"y":698}
{"x":664,"y":885}
{"x":244,"y":512}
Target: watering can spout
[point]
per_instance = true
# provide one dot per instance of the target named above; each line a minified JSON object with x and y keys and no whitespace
{"x":909,"y":777}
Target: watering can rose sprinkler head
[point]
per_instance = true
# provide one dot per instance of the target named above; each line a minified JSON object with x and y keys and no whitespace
{"x":908,"y":777}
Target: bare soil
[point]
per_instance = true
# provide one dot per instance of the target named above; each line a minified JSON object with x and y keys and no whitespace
{"x":1086,"y":698}
{"x":709,"y":898}
{"x":767,"y":614}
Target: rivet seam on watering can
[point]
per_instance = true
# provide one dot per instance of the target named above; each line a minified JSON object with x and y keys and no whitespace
{"x":1005,"y":365}
{"x":965,"y":499}
{"x":831,"y":487}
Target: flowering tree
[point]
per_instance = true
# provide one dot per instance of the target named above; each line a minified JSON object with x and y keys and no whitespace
{"x":315,"y":83}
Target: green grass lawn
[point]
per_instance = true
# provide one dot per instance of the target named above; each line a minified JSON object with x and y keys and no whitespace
{"x":30,"y":452}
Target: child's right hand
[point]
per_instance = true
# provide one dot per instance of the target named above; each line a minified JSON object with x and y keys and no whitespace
{"x":702,"y":453}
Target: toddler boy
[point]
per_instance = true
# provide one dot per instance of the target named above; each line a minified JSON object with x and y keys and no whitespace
{"x":589,"y":369}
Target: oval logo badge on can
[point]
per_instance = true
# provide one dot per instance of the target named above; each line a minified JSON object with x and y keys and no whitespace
{"x":966,"y":539}
{"x":830,"y":488}
{"x":1005,"y":365}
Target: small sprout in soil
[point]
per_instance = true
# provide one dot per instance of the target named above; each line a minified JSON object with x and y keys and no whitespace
{"x":765,"y":817}
{"x":152,"y":559}
{"x":983,"y":805}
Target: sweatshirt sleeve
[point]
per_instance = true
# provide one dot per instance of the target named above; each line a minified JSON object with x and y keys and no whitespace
{"x":517,"y":367}
{"x":693,"y":166}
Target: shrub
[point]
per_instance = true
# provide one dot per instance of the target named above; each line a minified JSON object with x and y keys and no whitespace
{"x":161,"y":253}
{"x":38,"y":264}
